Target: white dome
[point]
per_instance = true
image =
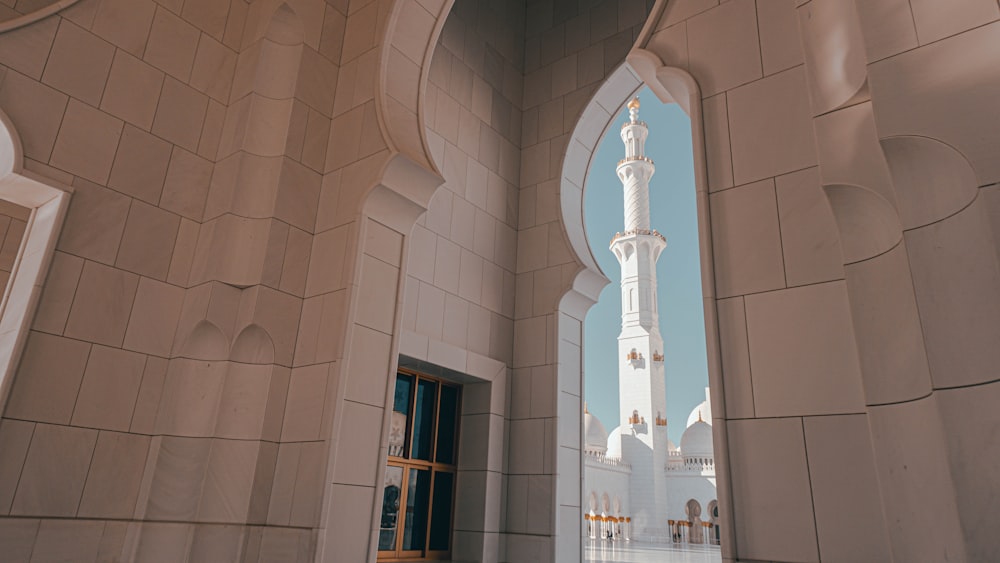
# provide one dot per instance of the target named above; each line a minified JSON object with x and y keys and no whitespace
{"x":595,"y":437}
{"x":697,"y":441}
{"x":615,"y":443}
{"x":703,"y":410}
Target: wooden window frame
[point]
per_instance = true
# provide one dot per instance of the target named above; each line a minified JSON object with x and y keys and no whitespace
{"x":410,"y":463}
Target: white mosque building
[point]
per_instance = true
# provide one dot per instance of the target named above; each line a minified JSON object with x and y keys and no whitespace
{"x":640,"y":485}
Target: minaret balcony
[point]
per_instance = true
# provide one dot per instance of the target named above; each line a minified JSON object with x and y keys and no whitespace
{"x":631,"y":123}
{"x":632,"y":232}
{"x":635,"y":159}
{"x":638,"y":423}
{"x":635,"y":359}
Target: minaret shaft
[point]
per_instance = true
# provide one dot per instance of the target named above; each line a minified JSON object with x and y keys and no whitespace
{"x":642,"y":387}
{"x":635,"y":171}
{"x":638,"y":247}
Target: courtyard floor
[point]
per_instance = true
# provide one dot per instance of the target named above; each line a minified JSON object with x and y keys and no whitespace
{"x":631,"y":552}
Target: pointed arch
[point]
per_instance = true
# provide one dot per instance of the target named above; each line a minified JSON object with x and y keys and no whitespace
{"x":285,"y":26}
{"x":253,"y":345}
{"x":670,"y":85}
{"x":206,"y":341}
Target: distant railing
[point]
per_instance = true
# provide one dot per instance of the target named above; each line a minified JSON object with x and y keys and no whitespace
{"x":611,"y":461}
{"x":689,"y":463}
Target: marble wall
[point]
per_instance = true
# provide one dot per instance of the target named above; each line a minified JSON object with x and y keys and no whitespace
{"x":837,"y":326}
{"x":148,"y":415}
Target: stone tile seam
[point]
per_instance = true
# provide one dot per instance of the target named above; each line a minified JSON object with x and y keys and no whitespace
{"x":186,"y":287}
{"x":76,"y":288}
{"x":913,"y":23}
{"x":934,"y":390}
{"x":62,"y":20}
{"x":917,"y":34}
{"x":228,"y":104}
{"x":883,"y":253}
{"x":790,"y":416}
{"x":946,"y":217}
{"x":20,"y":473}
{"x":159,"y":521}
{"x":90,"y":466}
{"x":777,"y":289}
{"x":706,"y":95}
{"x":473,"y":251}
{"x":219,"y":159}
{"x":781,"y":239}
{"x":760,"y":47}
{"x":848,"y":105}
{"x":90,"y":348}
{"x":914,"y":229}
{"x":746,"y":330}
{"x":745,"y":184}
{"x":729,"y":138}
{"x":167,"y":435}
{"x":177,"y":357}
{"x":812,"y":496}
{"x":48,"y":54}
{"x":457,"y":296}
{"x":921,"y":45}
{"x":135,"y":403}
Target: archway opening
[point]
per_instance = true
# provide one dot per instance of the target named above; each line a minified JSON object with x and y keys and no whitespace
{"x":646,"y":368}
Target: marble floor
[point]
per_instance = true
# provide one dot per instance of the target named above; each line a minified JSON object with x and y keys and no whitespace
{"x":630,"y":552}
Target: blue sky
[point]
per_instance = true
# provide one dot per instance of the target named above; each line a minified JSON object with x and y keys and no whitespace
{"x":673,"y":213}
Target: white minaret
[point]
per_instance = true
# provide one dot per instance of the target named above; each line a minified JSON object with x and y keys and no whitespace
{"x":642,"y":389}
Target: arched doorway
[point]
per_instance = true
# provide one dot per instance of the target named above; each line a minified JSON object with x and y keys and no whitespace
{"x":669,"y":85}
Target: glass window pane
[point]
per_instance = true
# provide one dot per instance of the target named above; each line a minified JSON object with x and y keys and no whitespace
{"x":400,"y":408}
{"x":441,"y":509}
{"x":391,"y":494}
{"x":417,"y":496}
{"x":423,"y":420}
{"x":401,"y":402}
{"x":446,"y":425}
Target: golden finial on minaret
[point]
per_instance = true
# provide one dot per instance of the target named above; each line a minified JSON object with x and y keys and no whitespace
{"x":633,"y":109}
{"x":699,"y":416}
{"x":585,"y":408}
